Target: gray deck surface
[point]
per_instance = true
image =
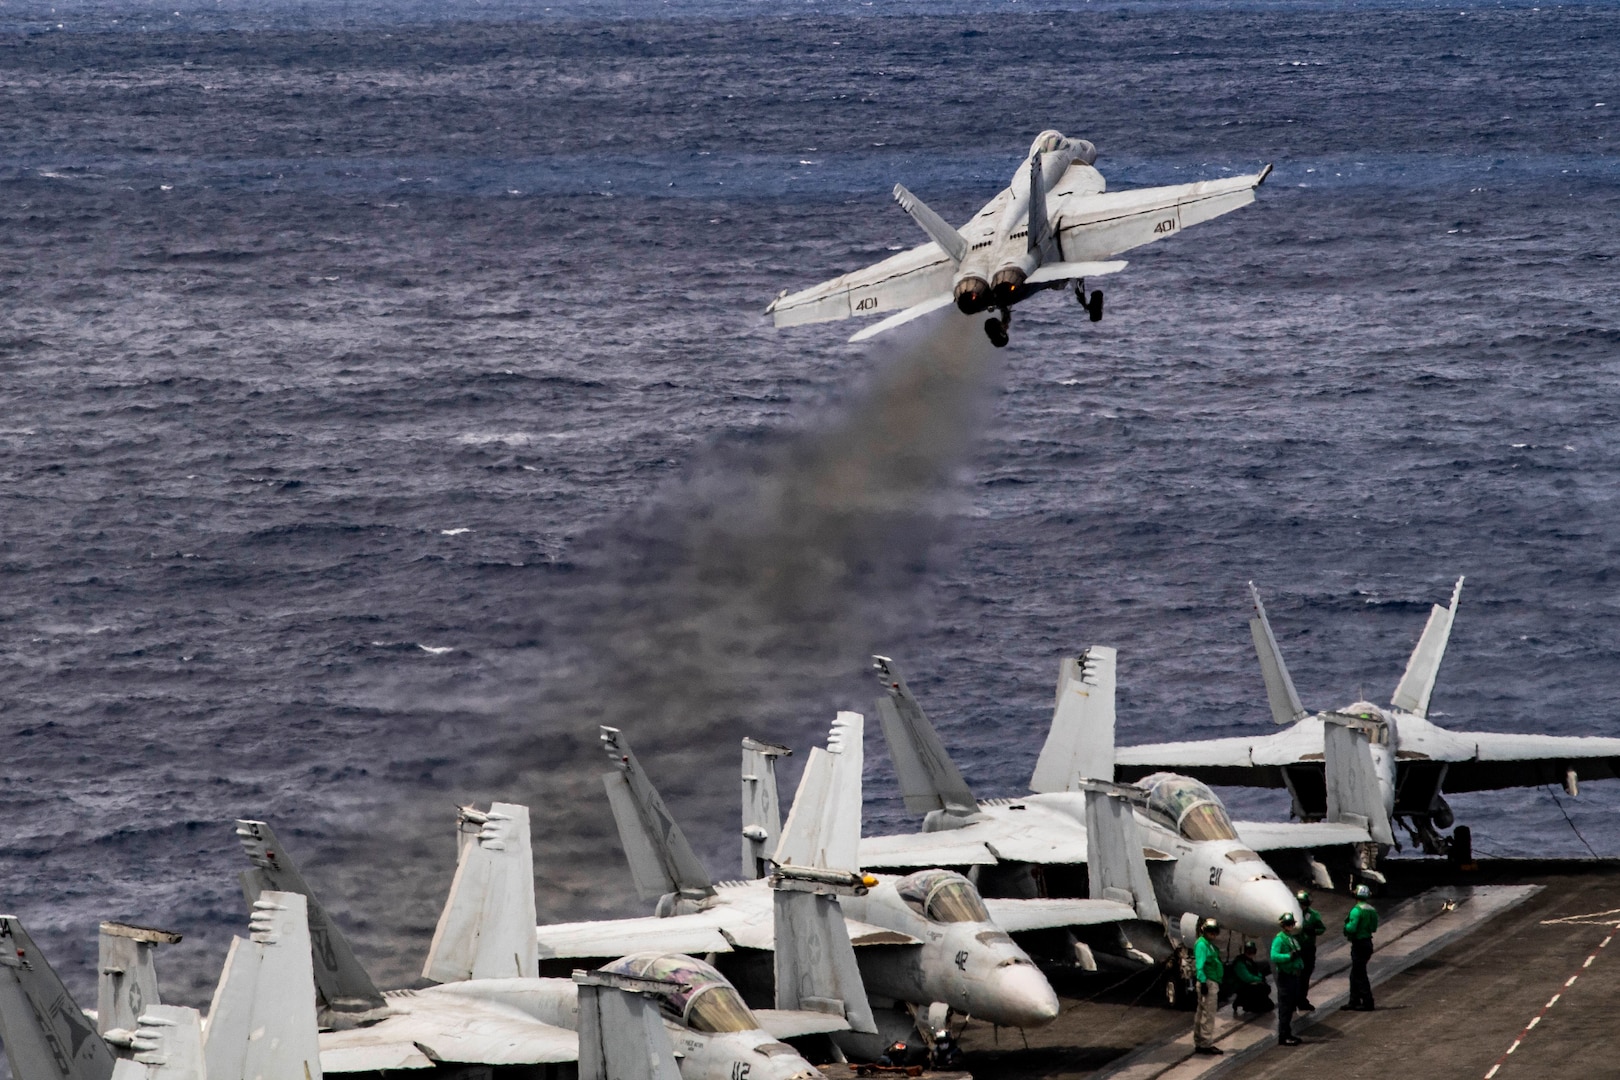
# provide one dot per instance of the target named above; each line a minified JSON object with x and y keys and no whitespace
{"x":1455,"y":990}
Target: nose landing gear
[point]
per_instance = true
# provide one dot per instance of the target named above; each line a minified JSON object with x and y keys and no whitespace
{"x":996,"y":329}
{"x":1093,"y":304}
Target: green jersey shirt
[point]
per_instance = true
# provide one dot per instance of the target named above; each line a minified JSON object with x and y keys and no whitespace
{"x":1361,"y":923}
{"x":1207,"y":961}
{"x":1285,"y":954}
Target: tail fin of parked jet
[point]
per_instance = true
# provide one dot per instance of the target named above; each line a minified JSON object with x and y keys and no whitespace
{"x":1080,"y":743}
{"x":262,"y":1022}
{"x":1412,"y":695}
{"x":486,"y":930}
{"x":47,"y":1035}
{"x":347,"y":995}
{"x":1116,"y":869}
{"x":661,"y":861}
{"x":824,"y":824}
{"x":621,"y":1034}
{"x":929,"y":780}
{"x":761,"y":810}
{"x":1280,"y":692}
{"x":1352,"y":779}
{"x":127,"y":982}
{"x":165,"y":1043}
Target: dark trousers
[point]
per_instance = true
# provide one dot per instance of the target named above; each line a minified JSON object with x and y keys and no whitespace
{"x":1360,"y":987}
{"x":1308,"y":955}
{"x":1287,"y":1002}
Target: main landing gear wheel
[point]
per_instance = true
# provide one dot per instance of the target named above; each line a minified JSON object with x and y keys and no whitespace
{"x":1093,"y":304}
{"x":996,"y":329}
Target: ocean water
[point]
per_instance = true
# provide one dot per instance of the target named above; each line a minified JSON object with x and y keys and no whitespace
{"x":387,"y":403}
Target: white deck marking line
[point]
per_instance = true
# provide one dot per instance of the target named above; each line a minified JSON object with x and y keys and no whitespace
{"x":1536,"y":1019}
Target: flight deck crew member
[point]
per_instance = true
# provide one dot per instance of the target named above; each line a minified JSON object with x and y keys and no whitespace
{"x":1251,"y":993}
{"x":1285,"y":959}
{"x":1359,"y":927}
{"x":1312,"y":929}
{"x":1208,"y":970}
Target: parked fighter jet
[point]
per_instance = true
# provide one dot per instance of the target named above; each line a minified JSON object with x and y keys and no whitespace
{"x":261,"y":1023}
{"x":1045,"y":230}
{"x":1201,"y":863}
{"x":490,"y":1007}
{"x":1416,"y":761}
{"x":919,"y":939}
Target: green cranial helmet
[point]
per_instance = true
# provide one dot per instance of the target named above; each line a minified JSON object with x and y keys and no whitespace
{"x":1209,"y":926}
{"x":1286,"y":919}
{"x":1362,"y":892}
{"x":1304,"y":897}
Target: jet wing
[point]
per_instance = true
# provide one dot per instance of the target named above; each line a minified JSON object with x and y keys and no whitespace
{"x":791,"y":1023}
{"x":1255,"y":761}
{"x":1483,"y":761}
{"x":892,"y":285}
{"x":1287,"y":835}
{"x":951,"y":847}
{"x":1095,"y":226}
{"x":1014,"y":916}
{"x":692,"y":934}
{"x":427,"y":1029}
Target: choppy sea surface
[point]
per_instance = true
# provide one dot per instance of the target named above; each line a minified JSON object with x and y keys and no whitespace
{"x":387,"y":402}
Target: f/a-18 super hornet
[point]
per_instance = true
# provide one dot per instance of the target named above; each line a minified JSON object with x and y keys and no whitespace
{"x":1415,"y":761}
{"x":261,"y":1023}
{"x":488,"y":1006}
{"x":1050,"y":228}
{"x":920,"y":939}
{"x":1200,"y":863}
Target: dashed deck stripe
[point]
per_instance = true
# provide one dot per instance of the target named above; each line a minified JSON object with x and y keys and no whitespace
{"x":1536,"y":1019}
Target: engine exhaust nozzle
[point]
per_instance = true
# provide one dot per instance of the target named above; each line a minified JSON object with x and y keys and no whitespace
{"x":972,"y":295}
{"x":1008,"y":285}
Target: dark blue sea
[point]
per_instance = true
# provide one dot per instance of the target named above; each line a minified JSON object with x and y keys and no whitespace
{"x":388,"y":402}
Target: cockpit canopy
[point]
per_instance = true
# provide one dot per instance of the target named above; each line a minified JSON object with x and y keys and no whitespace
{"x":942,"y":896}
{"x":701,"y":998}
{"x":1187,"y":806}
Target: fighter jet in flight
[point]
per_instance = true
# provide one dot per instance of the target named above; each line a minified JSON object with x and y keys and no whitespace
{"x":1050,"y":228}
{"x":1415,"y":760}
{"x":1200,"y":862}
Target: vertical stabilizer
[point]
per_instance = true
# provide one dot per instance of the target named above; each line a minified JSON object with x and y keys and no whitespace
{"x":621,"y":1034}
{"x":1080,"y":743}
{"x":348,"y":996}
{"x":1039,"y":227}
{"x":126,"y":977}
{"x":1417,"y":685}
{"x":165,"y":1043}
{"x":47,"y":1035}
{"x":929,"y":780}
{"x":1115,"y":866}
{"x":1352,"y":779}
{"x":486,"y":930}
{"x":824,"y":825}
{"x":761,"y":810}
{"x":816,"y":969}
{"x":262,"y":1021}
{"x":1280,"y":692}
{"x":661,"y":861}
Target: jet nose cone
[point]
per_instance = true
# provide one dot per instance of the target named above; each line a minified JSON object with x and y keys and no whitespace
{"x":1261,"y":903}
{"x":1019,"y":996}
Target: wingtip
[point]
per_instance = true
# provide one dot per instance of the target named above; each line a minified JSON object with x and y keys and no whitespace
{"x":1265,"y":172}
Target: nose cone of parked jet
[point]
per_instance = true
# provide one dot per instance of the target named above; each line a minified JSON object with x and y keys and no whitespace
{"x":1018,"y":995}
{"x":1260,"y":903}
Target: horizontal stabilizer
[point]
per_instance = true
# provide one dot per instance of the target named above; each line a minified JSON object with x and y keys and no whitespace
{"x":1417,"y":685}
{"x":1017,"y":916}
{"x":1073,"y":271}
{"x":949,"y":240}
{"x":486,"y":930}
{"x":900,"y":318}
{"x":47,"y":1035}
{"x":1265,"y":836}
{"x":1280,"y":692}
